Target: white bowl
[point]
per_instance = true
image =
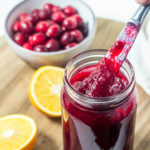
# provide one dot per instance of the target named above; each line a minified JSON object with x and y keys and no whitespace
{"x":59,"y":58}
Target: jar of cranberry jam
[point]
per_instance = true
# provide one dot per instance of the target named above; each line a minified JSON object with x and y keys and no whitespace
{"x":98,"y":110}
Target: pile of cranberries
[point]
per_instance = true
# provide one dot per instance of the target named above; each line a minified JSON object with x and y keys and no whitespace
{"x":49,"y":29}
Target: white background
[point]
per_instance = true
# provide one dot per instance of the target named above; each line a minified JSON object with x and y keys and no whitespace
{"x":120,"y":10}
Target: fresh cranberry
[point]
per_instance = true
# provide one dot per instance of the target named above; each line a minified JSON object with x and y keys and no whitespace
{"x":41,"y":26}
{"x":52,"y":45}
{"x":48,"y":7}
{"x":19,"y":38}
{"x":23,"y":16}
{"x":58,"y":16}
{"x":16,"y":26}
{"x":69,"y":10}
{"x":56,"y":8}
{"x":69,"y":23}
{"x":35,"y":13}
{"x":43,"y":14}
{"x":70,"y":45}
{"x":27,"y":45}
{"x":77,"y":35}
{"x":83,"y":29}
{"x":53,"y":31}
{"x":40,"y":48}
{"x":26,"y":27}
{"x":37,"y":38}
{"x":78,"y":19}
{"x":66,"y":38}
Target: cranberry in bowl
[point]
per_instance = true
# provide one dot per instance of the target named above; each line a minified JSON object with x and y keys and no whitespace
{"x":50,"y":32}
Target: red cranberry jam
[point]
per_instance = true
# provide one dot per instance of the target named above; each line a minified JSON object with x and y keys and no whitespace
{"x":99,"y":106}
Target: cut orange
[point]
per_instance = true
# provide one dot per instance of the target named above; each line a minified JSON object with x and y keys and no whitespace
{"x":45,"y":88}
{"x":17,"y":132}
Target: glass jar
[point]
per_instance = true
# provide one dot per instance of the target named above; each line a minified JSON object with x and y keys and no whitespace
{"x":105,"y":123}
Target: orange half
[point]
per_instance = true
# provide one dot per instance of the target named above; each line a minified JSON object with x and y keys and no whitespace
{"x":45,"y":89}
{"x":17,"y":132}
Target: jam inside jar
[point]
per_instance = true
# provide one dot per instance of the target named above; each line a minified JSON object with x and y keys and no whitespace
{"x":98,"y":123}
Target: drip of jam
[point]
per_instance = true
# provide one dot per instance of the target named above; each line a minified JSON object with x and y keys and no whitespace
{"x":120,"y":49}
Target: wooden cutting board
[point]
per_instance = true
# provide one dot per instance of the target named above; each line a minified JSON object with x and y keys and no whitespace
{"x":15,"y":76}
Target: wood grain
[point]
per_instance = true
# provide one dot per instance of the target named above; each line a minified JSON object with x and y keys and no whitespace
{"x":15,"y":76}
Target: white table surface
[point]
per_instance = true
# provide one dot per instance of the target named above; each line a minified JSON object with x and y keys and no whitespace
{"x":120,"y":10}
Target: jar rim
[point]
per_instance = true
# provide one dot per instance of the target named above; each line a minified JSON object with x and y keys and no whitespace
{"x":115,"y":99}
